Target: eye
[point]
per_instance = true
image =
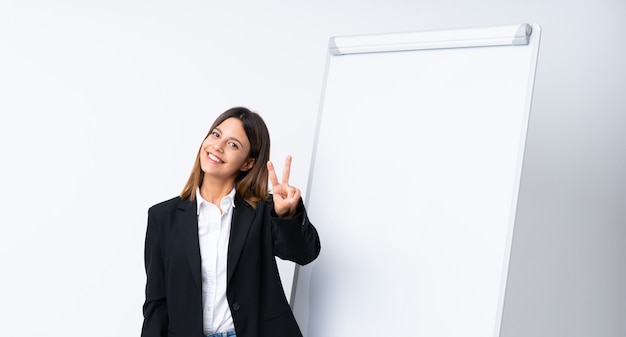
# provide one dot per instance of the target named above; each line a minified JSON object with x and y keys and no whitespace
{"x":215,"y":134}
{"x":233,"y":145}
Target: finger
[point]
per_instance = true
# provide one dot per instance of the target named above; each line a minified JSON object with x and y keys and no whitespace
{"x":286,"y":170}
{"x":295,"y":196}
{"x":272,"y":174}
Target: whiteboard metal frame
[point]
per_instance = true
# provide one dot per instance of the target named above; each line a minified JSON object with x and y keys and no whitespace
{"x":437,"y":39}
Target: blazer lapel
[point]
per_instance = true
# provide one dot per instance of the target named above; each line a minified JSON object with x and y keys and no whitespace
{"x":189,"y":232}
{"x":243,"y":215}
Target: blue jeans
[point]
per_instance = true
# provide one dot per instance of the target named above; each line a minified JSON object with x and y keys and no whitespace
{"x":222,"y":334}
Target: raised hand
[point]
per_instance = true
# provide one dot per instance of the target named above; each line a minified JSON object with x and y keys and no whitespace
{"x":286,"y":197}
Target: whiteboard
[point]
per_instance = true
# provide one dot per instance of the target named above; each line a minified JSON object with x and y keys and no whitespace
{"x":414,"y":182}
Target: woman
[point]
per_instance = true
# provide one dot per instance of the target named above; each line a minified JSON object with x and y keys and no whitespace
{"x":210,"y":252}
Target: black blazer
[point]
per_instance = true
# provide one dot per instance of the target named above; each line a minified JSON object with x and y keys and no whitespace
{"x":173,"y":305}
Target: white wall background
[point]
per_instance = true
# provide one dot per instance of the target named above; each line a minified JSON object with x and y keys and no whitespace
{"x":103,"y":105}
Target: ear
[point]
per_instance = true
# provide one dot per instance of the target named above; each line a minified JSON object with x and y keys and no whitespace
{"x":247,"y":165}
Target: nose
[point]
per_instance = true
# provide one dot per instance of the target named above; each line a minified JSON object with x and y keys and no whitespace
{"x":218,"y":146}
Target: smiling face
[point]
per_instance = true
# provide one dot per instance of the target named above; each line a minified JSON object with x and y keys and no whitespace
{"x":224,"y":152}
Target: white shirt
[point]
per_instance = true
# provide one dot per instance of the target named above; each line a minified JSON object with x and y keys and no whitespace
{"x":214,"y":234}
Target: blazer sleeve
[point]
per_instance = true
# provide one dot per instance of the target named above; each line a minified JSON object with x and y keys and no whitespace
{"x":295,"y":239}
{"x":155,"y":306}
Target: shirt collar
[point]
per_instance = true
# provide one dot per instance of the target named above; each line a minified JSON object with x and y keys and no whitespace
{"x":227,"y":201}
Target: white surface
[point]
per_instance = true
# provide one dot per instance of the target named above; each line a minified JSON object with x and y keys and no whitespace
{"x":414,"y":185}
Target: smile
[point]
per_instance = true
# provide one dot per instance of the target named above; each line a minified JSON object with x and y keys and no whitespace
{"x":214,"y":158}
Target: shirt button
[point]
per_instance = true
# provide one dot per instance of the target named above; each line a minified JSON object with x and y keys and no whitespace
{"x":236,"y":306}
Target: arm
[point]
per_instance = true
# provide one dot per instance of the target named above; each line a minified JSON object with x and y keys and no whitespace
{"x":155,"y":305}
{"x":295,"y":238}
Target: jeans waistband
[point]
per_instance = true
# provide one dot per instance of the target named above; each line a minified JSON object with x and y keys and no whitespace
{"x":222,"y":334}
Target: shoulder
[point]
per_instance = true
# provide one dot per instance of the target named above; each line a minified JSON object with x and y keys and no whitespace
{"x":168,"y":206}
{"x":261,"y":206}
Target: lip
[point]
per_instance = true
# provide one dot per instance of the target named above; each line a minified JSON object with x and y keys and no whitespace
{"x":212,"y":157}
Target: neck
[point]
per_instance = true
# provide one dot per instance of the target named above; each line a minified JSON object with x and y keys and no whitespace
{"x":214,"y":190}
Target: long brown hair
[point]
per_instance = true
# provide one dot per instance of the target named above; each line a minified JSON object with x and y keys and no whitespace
{"x":251,"y":185}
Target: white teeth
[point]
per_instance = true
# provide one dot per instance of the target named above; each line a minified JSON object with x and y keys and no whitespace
{"x":214,"y":158}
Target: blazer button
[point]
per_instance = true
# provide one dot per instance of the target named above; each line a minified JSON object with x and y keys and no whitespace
{"x":236,"y":306}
